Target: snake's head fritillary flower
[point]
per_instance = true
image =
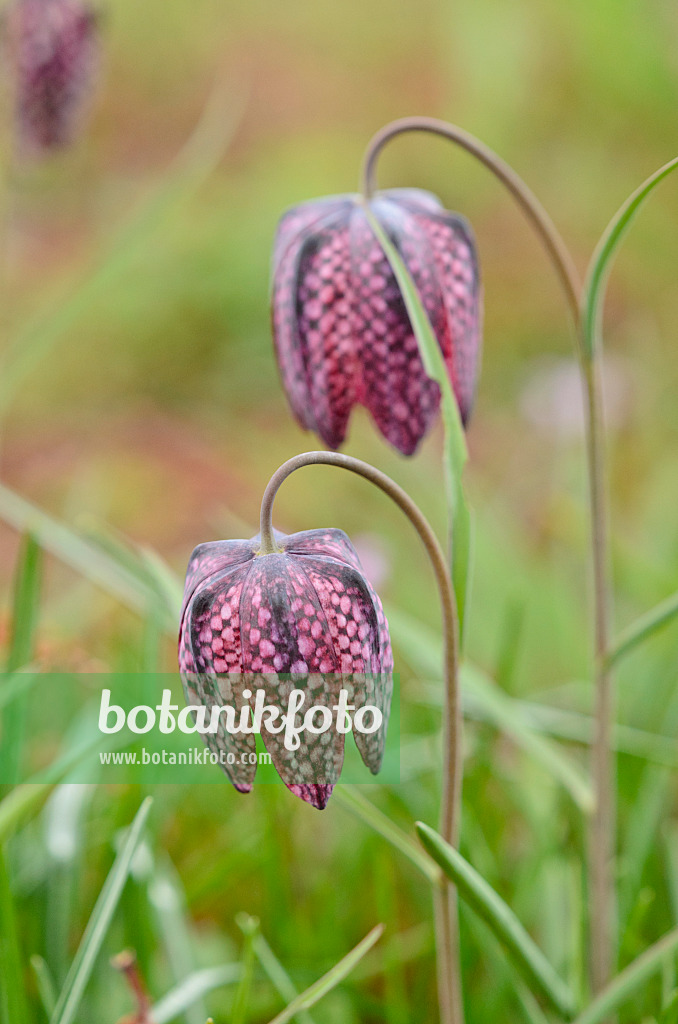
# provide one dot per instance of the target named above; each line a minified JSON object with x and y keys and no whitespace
{"x":303,"y":618}
{"x":52,"y":48}
{"x":342,"y":333}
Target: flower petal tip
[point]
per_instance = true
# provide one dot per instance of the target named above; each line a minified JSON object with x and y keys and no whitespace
{"x":317,"y":794}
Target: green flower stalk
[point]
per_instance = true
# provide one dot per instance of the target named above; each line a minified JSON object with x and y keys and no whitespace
{"x":601,"y":942}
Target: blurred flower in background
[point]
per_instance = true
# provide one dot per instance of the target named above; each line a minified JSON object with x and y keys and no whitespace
{"x":342,"y":333}
{"x":375,"y":557}
{"x":552,"y":400}
{"x":51,"y":49}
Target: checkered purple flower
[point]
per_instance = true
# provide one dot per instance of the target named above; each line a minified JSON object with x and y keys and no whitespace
{"x":301,"y":618}
{"x":342,"y":334}
{"x":52,"y":48}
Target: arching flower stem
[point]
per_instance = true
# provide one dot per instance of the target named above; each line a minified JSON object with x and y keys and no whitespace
{"x":525,"y":198}
{"x":601,"y":941}
{"x":449,"y":980}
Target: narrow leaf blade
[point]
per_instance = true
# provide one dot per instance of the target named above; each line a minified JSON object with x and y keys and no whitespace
{"x":13,"y":1009}
{"x":601,"y":262}
{"x":643,"y":628}
{"x":24,"y":625}
{"x":97,"y":926}
{"x":278,"y":976}
{"x":482,"y":697}
{"x":250,"y":928}
{"x":455,"y":441}
{"x":629,"y":981}
{"x":26,"y":798}
{"x":192,"y":990}
{"x":81,"y":555}
{"x":362,"y":808}
{"x":45,"y":984}
{"x":26,"y":604}
{"x":481,"y":897}
{"x":323,"y":985}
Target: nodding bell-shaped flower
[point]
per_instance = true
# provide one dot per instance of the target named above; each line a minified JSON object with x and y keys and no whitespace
{"x":52,"y":48}
{"x":342,"y":333}
{"x":304,"y":618}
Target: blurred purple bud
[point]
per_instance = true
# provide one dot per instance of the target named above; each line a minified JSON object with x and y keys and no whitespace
{"x":52,"y":50}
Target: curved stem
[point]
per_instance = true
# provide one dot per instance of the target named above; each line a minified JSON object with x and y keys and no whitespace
{"x":448,"y":961}
{"x":601,"y":943}
{"x":528,"y":202}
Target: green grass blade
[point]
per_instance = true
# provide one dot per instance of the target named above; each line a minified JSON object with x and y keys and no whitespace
{"x":580,"y":728}
{"x":455,"y":441}
{"x":529,"y":960}
{"x":273,"y":969}
{"x":72,"y":549}
{"x":45,"y":984}
{"x":140,"y":560}
{"x":139,"y":580}
{"x":168,"y":584}
{"x":23,"y":629}
{"x":323,"y":985}
{"x":63,"y":820}
{"x":643,"y":628}
{"x":360,"y":806}
{"x":20,"y":803}
{"x":400,"y":949}
{"x":26,"y":604}
{"x":167,"y":897}
{"x":669,"y":1014}
{"x":27,"y":798}
{"x":13,"y":1008}
{"x":644,"y":819}
{"x":278,"y":976}
{"x":250,"y":928}
{"x":482,"y":697}
{"x":505,"y":714}
{"x":601,"y":262}
{"x":16,"y":685}
{"x":504,"y":976}
{"x":191,"y":990}
{"x":97,"y":926}
{"x":629,"y":981}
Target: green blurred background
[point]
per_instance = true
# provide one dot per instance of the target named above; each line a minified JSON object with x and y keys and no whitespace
{"x":152,"y":406}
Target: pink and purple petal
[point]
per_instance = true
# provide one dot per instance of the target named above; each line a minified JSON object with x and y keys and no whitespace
{"x":326,"y":329}
{"x":284,"y":629}
{"x":329,"y":543}
{"x":393,"y":383}
{"x":309,"y":323}
{"x":444,"y":242}
{"x":211,"y":666}
{"x":342,"y":332}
